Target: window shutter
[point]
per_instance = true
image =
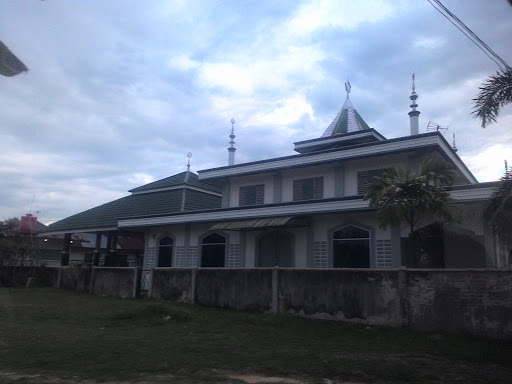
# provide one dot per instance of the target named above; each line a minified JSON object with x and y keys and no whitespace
{"x":367,"y":177}
{"x":260,"y":194}
{"x":251,"y":195}
{"x":319,"y":188}
{"x":362,"y":182}
{"x":242,"y":197}
{"x":308,"y":189}
{"x":297,"y":190}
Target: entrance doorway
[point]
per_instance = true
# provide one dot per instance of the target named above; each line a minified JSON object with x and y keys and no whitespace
{"x":275,"y":249}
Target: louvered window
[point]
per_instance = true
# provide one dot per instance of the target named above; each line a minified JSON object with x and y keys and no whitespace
{"x":308,"y":189}
{"x":251,"y":195}
{"x":367,"y":177}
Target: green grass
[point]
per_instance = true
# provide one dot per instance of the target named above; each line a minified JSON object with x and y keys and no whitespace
{"x":66,"y":334}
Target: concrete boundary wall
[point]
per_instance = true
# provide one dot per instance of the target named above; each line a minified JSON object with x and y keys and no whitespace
{"x":474,"y":301}
{"x":121,"y":282}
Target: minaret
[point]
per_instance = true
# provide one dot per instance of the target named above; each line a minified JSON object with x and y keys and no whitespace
{"x":232,"y":148}
{"x":414,"y":113}
{"x":185,"y":180}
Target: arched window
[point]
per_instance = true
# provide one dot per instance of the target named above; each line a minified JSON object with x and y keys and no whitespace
{"x":165,"y":251}
{"x":351,"y":247}
{"x":213,"y":251}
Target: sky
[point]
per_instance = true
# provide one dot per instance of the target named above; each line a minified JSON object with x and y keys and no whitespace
{"x":119,"y":91}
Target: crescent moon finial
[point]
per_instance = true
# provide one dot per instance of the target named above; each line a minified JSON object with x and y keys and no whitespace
{"x":348,"y":87}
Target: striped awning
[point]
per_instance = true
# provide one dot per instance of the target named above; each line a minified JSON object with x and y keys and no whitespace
{"x":247,"y":224}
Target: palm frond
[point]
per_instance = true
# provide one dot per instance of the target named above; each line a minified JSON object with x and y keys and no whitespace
{"x":499,"y":211}
{"x":402,"y":196}
{"x":494,"y":94}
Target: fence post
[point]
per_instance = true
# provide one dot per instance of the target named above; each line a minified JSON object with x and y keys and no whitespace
{"x":135,"y":281}
{"x":275,"y":288}
{"x":193,"y":287}
{"x":150,"y":285}
{"x":59,"y":277}
{"x":403,"y":296}
{"x":93,"y":278}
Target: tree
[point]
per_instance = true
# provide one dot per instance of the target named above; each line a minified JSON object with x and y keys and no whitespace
{"x":401,"y":195}
{"x":11,"y":224}
{"x":495,"y":93}
{"x":499,"y":211}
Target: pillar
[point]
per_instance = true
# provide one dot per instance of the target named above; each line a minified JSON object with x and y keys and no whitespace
{"x":64,"y":255}
{"x":97,"y":250}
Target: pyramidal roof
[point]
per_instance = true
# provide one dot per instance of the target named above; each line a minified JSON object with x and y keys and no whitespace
{"x":347,"y":120}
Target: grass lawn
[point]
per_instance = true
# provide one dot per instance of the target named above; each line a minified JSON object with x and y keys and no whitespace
{"x":76,"y":336}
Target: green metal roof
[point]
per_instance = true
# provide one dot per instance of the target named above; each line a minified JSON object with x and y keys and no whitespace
{"x":347,"y":120}
{"x":176,"y":180}
{"x":143,"y":204}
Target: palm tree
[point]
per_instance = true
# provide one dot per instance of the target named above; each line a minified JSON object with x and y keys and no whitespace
{"x":494,"y":94}
{"x":499,"y":211}
{"x":404,"y":196}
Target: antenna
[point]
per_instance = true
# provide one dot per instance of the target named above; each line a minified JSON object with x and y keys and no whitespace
{"x":33,"y":196}
{"x":431,"y":126}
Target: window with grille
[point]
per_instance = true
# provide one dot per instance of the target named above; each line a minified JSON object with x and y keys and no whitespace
{"x":351,"y":248}
{"x":251,"y":195}
{"x":165,"y":251}
{"x":308,"y":189}
{"x":367,"y":177}
{"x":213,"y":251}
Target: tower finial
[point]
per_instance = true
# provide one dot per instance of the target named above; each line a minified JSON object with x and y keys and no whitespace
{"x":232,"y":148}
{"x":348,"y":87}
{"x":189,"y":155}
{"x":454,"y":146}
{"x":414,"y":114}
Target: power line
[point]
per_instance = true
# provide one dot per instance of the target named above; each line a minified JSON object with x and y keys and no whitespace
{"x":485,"y":48}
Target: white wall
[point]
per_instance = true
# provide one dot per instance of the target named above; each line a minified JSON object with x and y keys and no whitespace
{"x":349,"y":181}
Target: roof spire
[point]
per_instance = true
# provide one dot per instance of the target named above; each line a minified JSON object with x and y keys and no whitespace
{"x":189,"y":155}
{"x":454,"y":146}
{"x":232,"y":148}
{"x":347,"y":120}
{"x":413,"y":114}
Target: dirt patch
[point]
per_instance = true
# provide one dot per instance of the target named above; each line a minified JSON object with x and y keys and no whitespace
{"x":254,"y":379}
{"x":12,"y":377}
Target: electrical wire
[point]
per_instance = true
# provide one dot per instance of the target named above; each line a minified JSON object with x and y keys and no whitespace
{"x":485,"y":48}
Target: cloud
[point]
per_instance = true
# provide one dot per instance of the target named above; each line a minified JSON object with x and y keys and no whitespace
{"x":118,"y":92}
{"x":488,"y":165}
{"x":315,"y":15}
